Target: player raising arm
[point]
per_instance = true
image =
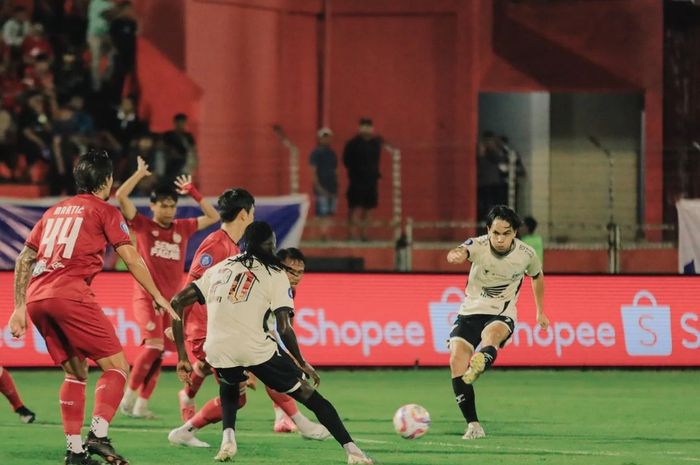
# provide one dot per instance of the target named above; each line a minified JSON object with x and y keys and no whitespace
{"x":162,"y":242}
{"x":488,"y":314}
{"x":53,"y":273}
{"x":241,"y":293}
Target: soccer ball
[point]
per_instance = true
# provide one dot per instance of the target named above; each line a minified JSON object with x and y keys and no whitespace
{"x":411,"y":421}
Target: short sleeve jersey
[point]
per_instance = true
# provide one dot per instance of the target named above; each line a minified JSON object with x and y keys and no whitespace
{"x":216,"y":247}
{"x":70,"y":241}
{"x":239,"y":300}
{"x":495,"y":280}
{"x":163,"y":250}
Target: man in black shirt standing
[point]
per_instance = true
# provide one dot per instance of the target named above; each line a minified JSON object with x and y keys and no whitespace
{"x":361,"y":158}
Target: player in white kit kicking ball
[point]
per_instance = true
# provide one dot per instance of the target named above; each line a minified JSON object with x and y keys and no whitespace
{"x":488,"y":314}
{"x":242,"y":293}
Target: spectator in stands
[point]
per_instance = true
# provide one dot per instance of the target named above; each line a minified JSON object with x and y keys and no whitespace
{"x":66,"y":149}
{"x":492,"y":185}
{"x":528,"y":236}
{"x":11,"y":87}
{"x":8,"y":146}
{"x":122,"y":31}
{"x":361,"y":158}
{"x":35,"y":138}
{"x":15,"y":30}
{"x":145,"y":147}
{"x":82,"y":120}
{"x":98,"y":37}
{"x":70,"y":77}
{"x":180,"y":149}
{"x":125,"y":124}
{"x":324,"y":164}
{"x":36,"y":44}
{"x":39,"y":76}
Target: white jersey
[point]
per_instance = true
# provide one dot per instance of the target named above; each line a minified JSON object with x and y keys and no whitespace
{"x":495,"y":280}
{"x":239,"y":301}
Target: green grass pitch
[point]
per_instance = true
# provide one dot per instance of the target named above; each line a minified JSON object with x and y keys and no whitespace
{"x":530,"y":417}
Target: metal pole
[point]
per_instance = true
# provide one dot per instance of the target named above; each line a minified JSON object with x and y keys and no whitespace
{"x":293,"y":169}
{"x":396,"y":189}
{"x":409,"y":245}
{"x":512,"y":177}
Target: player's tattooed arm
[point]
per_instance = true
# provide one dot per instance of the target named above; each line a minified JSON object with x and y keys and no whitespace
{"x":23,"y":273}
{"x":286,"y":332}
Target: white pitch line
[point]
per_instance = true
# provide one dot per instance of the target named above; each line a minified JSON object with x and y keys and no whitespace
{"x":472,"y":446}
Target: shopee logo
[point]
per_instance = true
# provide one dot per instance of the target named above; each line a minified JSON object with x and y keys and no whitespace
{"x":313,"y":328}
{"x":647,"y":326}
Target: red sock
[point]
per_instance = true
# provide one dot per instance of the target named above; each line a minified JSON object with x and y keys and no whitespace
{"x":108,"y":393}
{"x":196,"y":380}
{"x":286,"y":403}
{"x":149,"y":384}
{"x":8,"y":388}
{"x":142,"y":366}
{"x":210,"y":413}
{"x":72,"y":399}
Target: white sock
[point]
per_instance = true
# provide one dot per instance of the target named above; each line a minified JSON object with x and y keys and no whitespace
{"x":100,"y":427}
{"x":229,"y":435}
{"x":74,"y":443}
{"x":304,"y":424}
{"x":351,"y":448}
{"x":188,"y":427}
{"x":141,"y":405}
{"x":129,"y":397}
{"x":279,"y":414}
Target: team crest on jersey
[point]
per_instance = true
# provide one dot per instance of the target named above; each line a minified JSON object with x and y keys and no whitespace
{"x":155,"y":233}
{"x":468,"y":242}
{"x":205,"y":260}
{"x":177,"y":238}
{"x":124,"y":227}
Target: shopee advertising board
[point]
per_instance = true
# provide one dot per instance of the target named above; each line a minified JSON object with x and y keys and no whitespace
{"x":394,"y":319}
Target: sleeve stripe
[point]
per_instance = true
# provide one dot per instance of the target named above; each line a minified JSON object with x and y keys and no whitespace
{"x":121,"y":243}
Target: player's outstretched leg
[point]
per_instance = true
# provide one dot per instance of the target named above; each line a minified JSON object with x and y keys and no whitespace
{"x":141,"y":409}
{"x":9,"y":390}
{"x":143,"y":365}
{"x":108,"y":394}
{"x":72,"y":401}
{"x":481,"y":360}
{"x":328,"y":416}
{"x":229,"y":391}
{"x":286,"y":412}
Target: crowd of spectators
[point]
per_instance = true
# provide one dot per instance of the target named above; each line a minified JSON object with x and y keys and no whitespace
{"x":67,"y":84}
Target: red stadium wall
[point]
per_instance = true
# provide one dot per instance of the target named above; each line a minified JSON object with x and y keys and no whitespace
{"x":404,"y":320}
{"x":415,"y":67}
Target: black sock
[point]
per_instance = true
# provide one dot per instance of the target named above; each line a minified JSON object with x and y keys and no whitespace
{"x":490,"y":354}
{"x":229,"y":403}
{"x":466,"y":401}
{"x":328,"y":416}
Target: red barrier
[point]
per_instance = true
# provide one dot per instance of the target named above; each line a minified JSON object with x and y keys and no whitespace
{"x":392,"y":319}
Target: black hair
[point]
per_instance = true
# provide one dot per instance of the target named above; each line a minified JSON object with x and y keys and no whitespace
{"x":255,"y":234}
{"x":364,"y":121}
{"x":502,"y":212}
{"x":232,"y":201}
{"x":92,"y":171}
{"x":291,"y":253}
{"x":164,"y":192}
{"x":531,"y":223}
{"x":180,"y":117}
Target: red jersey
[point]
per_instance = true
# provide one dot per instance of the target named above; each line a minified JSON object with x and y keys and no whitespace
{"x":70,"y":241}
{"x":163,"y":250}
{"x":216,"y":247}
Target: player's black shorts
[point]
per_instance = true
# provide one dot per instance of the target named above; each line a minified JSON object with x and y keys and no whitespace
{"x":279,"y":373}
{"x":469,"y":327}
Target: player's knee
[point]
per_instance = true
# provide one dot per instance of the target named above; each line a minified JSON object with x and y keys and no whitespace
{"x":304,"y":392}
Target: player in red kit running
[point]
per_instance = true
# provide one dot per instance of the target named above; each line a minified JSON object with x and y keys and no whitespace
{"x":162,"y":242}
{"x":9,"y":390}
{"x":53,"y":273}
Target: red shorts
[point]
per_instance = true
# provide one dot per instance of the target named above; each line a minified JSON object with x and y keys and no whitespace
{"x":74,"y":329}
{"x":152,"y":324}
{"x":196,"y":348}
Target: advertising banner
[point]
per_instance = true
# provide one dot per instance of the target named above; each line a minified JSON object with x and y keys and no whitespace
{"x":404,"y":320}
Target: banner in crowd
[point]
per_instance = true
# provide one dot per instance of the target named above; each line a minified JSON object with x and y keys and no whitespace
{"x":405,"y":320}
{"x":688,"y":236}
{"x":286,"y":215}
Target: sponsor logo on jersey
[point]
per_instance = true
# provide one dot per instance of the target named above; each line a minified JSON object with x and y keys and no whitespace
{"x":177,"y":238}
{"x":124,"y":227}
{"x":155,"y":233}
{"x":493,"y":291}
{"x":165,"y":250}
{"x":205,"y":260}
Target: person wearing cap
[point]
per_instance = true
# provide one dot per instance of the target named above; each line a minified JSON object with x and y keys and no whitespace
{"x":324,"y":163}
{"x":361,"y":158}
